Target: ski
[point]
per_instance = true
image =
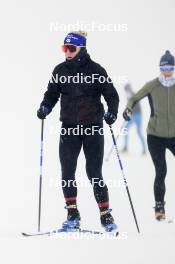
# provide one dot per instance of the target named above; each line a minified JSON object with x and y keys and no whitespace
{"x":170,"y":221}
{"x":35,"y":234}
{"x":77,"y":230}
{"x":166,"y":221}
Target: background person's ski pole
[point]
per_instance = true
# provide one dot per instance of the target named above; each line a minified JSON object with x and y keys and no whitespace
{"x":124,"y":178}
{"x":116,"y":138}
{"x":40,"y":179}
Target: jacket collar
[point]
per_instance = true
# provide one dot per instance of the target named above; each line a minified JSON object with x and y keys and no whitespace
{"x":80,"y":59}
{"x":167,"y":82}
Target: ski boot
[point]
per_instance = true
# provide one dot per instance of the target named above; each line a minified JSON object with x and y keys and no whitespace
{"x":107,"y":221}
{"x":160,"y":211}
{"x":73,"y":219}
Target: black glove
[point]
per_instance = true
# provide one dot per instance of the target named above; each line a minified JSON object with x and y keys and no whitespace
{"x":42,"y":112}
{"x":127,"y":114}
{"x":110,"y":118}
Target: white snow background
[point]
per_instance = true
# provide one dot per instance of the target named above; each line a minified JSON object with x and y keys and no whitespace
{"x":29,"y":52}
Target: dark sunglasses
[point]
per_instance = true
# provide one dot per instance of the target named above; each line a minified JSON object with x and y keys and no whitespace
{"x":71,"y":48}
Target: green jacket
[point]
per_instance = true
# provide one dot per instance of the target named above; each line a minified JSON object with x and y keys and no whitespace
{"x":162,"y":103}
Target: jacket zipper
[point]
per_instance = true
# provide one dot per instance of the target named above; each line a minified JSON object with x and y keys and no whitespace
{"x":77,"y":119}
{"x":168,"y":111}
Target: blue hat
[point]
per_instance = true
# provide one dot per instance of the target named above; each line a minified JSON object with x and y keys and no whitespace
{"x":167,"y":58}
{"x":75,"y":39}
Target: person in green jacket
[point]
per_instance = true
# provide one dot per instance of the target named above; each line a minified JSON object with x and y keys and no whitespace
{"x":161,"y":127}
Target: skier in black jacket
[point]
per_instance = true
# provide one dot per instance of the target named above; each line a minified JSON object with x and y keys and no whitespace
{"x":81,"y":107}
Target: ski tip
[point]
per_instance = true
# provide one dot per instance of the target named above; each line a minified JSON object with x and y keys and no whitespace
{"x":113,"y":233}
{"x":116,"y":233}
{"x":24,"y":234}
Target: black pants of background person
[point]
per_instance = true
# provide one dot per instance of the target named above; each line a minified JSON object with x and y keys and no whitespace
{"x":93,"y":147}
{"x":157,"y":147}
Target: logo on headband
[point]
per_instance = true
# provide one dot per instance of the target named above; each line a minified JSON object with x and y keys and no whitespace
{"x":75,"y":39}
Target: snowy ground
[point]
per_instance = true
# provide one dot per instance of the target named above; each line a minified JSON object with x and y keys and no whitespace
{"x":153,"y":245}
{"x":30,"y":51}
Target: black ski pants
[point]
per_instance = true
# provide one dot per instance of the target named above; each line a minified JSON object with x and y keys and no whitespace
{"x":93,"y":147}
{"x":157,"y":147}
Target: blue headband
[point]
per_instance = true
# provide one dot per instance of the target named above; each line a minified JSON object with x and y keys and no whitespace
{"x":75,"y":39}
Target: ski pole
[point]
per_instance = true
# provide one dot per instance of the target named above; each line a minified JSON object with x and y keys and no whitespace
{"x":116,"y":138}
{"x":40,"y":178}
{"x":124,"y":178}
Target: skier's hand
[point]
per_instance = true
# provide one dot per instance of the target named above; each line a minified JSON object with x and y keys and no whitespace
{"x":42,"y":112}
{"x":127,"y":114}
{"x":110,"y":118}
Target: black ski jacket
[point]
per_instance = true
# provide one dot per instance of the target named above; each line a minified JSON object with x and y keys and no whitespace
{"x":81,"y":100}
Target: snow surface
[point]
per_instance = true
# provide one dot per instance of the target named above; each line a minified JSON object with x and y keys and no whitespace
{"x":153,"y":245}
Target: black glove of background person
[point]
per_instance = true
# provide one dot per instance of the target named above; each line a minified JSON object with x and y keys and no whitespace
{"x":110,"y":118}
{"x":42,"y":112}
{"x":127,"y":114}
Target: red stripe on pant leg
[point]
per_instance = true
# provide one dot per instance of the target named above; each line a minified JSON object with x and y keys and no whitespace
{"x":70,"y":199}
{"x":104,"y":204}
